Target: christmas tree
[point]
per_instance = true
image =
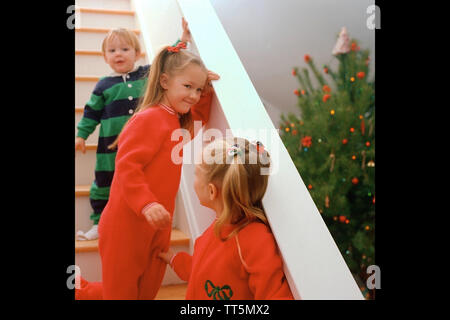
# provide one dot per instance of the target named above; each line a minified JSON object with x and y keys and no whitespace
{"x":332,"y":145}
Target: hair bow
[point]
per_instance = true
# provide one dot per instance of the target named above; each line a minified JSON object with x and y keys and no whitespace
{"x":178,"y":45}
{"x":234,"y":150}
{"x":259,"y":146}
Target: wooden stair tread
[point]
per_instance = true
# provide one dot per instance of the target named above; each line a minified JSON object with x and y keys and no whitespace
{"x":100,"y":30}
{"x":95,"y":53}
{"x":89,"y":146}
{"x":104,"y":11}
{"x":82,"y":190}
{"x":172,"y":292}
{"x":177,"y":238}
{"x":87,"y":78}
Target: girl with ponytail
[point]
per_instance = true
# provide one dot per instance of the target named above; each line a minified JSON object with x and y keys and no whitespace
{"x":237,"y":256}
{"x":136,"y":222}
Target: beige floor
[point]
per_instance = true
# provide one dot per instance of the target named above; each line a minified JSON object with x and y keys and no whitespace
{"x":172,"y":292}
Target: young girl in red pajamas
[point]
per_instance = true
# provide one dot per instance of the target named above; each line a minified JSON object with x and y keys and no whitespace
{"x":136,"y":223}
{"x":237,"y":256}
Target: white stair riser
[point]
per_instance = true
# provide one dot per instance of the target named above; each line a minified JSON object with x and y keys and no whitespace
{"x":104,"y":20}
{"x":93,"y":138}
{"x":94,"y":65}
{"x":104,"y":4}
{"x":84,"y":167}
{"x":89,"y":40}
{"x":90,"y":267}
{"x":83,"y":211}
{"x":83,"y":91}
{"x":93,"y":40}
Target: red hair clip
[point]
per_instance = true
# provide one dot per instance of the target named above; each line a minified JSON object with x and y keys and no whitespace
{"x":259,"y":146}
{"x":179,"y":45}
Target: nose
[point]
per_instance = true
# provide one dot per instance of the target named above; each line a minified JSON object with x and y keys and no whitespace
{"x":194,"y":95}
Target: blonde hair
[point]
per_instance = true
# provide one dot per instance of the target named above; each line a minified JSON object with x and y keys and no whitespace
{"x":125,"y":35}
{"x":170,"y":63}
{"x":238,"y":176}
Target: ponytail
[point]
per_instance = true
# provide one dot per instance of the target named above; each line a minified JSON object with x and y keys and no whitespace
{"x":241,"y":183}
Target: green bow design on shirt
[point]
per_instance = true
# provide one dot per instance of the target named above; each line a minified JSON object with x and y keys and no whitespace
{"x":223,"y":293}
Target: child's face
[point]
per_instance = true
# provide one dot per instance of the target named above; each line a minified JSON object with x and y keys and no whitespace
{"x":201,"y":186}
{"x":183,"y":90}
{"x":120,"y":55}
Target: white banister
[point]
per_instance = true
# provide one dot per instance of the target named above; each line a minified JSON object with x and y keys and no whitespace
{"x":313,"y":264}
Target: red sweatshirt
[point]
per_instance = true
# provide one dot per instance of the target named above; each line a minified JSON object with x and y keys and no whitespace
{"x":144,"y":173}
{"x":245,"y":267}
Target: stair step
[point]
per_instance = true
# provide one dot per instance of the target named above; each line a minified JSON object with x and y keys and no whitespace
{"x":104,"y":11}
{"x":95,"y":53}
{"x":87,"y":78}
{"x":172,"y":292}
{"x":105,"y":4}
{"x":177,"y":238}
{"x":100,"y":30}
{"x":82,"y":191}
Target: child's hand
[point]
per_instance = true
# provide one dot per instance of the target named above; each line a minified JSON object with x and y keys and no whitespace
{"x":208,"y":87}
{"x":186,"y":36}
{"x":212,"y":76}
{"x":166,"y":256}
{"x":80,"y":144}
{"x":157,"y":216}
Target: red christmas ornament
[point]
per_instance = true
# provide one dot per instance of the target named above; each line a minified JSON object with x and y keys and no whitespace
{"x":306,"y":141}
{"x":360,"y":75}
{"x":368,"y":143}
{"x":325,"y":70}
{"x":352,"y":129}
{"x":296,"y":92}
{"x":307,"y":58}
{"x":355,"y":181}
{"x":294,"y":132}
{"x":309,"y":186}
{"x":326,"y":88}
{"x":342,"y":218}
{"x":344,"y":141}
{"x":326,"y":97}
{"x":355,"y":47}
{"x":294,"y":72}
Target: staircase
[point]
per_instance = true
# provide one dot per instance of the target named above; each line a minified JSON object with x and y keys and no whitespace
{"x":94,"y":18}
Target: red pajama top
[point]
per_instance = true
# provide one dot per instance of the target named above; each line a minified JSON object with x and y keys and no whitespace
{"x":145,"y":172}
{"x":245,"y":267}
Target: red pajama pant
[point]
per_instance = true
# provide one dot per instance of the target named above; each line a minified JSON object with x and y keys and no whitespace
{"x":131,"y":268}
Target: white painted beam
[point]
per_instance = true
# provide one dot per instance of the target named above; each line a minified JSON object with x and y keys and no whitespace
{"x":313,"y":264}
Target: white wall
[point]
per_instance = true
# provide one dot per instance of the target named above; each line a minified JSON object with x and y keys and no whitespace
{"x":272,"y":36}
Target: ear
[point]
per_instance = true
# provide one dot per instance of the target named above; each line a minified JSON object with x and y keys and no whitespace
{"x":213,"y":192}
{"x":164,"y":80}
{"x":138,"y":55}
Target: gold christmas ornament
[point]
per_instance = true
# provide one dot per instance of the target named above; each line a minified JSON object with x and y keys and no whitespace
{"x":333,"y":159}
